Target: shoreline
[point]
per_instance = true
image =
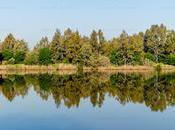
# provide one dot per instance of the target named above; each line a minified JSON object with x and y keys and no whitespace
{"x":71,"y":69}
{"x":58,"y":67}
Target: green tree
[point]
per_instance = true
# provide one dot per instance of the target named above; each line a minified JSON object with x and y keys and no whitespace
{"x":129,"y":50}
{"x":72,"y":45}
{"x":121,"y":55}
{"x":45,"y":56}
{"x":84,"y":55}
{"x":154,"y":41}
{"x":20,"y":50}
{"x":57,"y":48}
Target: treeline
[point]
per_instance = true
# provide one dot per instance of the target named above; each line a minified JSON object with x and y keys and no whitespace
{"x":156,"y":45}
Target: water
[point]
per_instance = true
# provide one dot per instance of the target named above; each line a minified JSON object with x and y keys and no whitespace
{"x":88,"y":101}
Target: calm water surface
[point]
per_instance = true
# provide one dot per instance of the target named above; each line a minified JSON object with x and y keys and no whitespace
{"x":87,"y":101}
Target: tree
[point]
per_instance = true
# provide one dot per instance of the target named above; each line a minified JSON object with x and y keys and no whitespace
{"x":9,"y":42}
{"x":43,"y":43}
{"x":57,"y":48}
{"x":84,"y":55}
{"x":135,"y":48}
{"x":72,"y":45}
{"x":169,"y":47}
{"x":129,"y":50}
{"x":94,"y":41}
{"x":121,"y":55}
{"x":101,"y":42}
{"x":45,"y":56}
{"x":154,"y":40}
{"x":20,"y":50}
{"x":21,"y":45}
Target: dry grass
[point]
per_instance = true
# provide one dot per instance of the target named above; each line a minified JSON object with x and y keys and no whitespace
{"x":67,"y":67}
{"x":70,"y":69}
{"x":38,"y":67}
{"x":127,"y":67}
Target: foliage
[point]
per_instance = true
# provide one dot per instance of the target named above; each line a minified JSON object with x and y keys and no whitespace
{"x":31,"y":58}
{"x":11,"y":61}
{"x":19,"y":57}
{"x":45,"y":56}
{"x":7,"y":54}
{"x":9,"y":42}
{"x":154,"y":41}
{"x":156,"y":45}
{"x":129,"y":50}
{"x":1,"y":57}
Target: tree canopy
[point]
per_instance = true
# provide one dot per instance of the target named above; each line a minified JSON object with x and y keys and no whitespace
{"x":156,"y":44}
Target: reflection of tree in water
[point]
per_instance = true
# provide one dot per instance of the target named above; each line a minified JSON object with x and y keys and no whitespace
{"x":128,"y":88}
{"x":13,"y":86}
{"x":160,"y":92}
{"x":157,"y":92}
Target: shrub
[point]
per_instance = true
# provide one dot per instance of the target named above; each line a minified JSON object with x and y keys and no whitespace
{"x":11,"y":61}
{"x":45,"y":56}
{"x":7,"y":54}
{"x":19,"y":57}
{"x":171,"y":59}
{"x":115,"y":58}
{"x":96,"y":61}
{"x":103,"y":61}
{"x":31,"y":58}
{"x":149,"y":56}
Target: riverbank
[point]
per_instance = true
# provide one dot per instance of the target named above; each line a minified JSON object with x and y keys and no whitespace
{"x":68,"y":68}
{"x":58,"y":67}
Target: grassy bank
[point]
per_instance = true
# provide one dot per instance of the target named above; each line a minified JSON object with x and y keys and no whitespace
{"x":72,"y":68}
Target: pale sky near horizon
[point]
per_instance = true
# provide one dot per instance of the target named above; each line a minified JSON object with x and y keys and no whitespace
{"x":32,"y":19}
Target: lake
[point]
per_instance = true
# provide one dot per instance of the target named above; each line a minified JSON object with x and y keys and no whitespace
{"x":88,"y":101}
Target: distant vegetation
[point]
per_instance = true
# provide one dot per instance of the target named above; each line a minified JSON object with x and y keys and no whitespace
{"x":156,"y":45}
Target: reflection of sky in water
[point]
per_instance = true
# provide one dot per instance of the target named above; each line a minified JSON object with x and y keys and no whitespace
{"x":32,"y":113}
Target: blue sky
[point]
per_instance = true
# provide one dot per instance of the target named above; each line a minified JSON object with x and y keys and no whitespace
{"x":32,"y":19}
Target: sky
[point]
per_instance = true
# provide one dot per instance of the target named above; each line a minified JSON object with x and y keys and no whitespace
{"x":32,"y":19}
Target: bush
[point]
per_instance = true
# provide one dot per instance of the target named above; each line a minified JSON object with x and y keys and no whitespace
{"x":171,"y":59}
{"x":45,"y":56}
{"x":31,"y":58}
{"x":19,"y":57}
{"x":7,"y":54}
{"x":96,"y":61}
{"x":11,"y":61}
{"x":115,"y":58}
{"x":103,"y":61}
{"x":167,"y":59}
{"x":149,"y":56}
